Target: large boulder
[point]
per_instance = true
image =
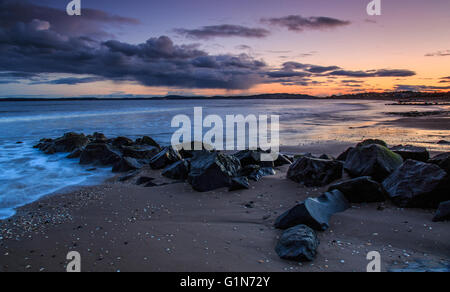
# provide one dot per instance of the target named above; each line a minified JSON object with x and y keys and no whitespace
{"x":249,"y":170}
{"x":179,"y":170}
{"x":442,"y":160}
{"x":164,"y":158}
{"x":298,"y":243}
{"x":67,"y":143}
{"x":100,"y":153}
{"x":313,"y":172}
{"x":361,"y":190}
{"x":443,"y":212}
{"x":372,"y":160}
{"x":343,"y":156}
{"x":122,"y":141}
{"x":314,"y":212}
{"x":98,"y":138}
{"x":412,"y":152}
{"x":417,"y":185}
{"x":372,"y":142}
{"x":140,"y":151}
{"x":190,"y":149}
{"x":252,"y":157}
{"x":126,"y":164}
{"x":147,"y":141}
{"x":210,"y":171}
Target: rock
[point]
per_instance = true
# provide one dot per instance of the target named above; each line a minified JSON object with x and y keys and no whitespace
{"x":164,"y":158}
{"x":443,"y":142}
{"x":372,"y":142}
{"x":131,"y":174}
{"x":239,"y":183}
{"x":210,"y":171}
{"x":282,"y":160}
{"x":126,"y":164}
{"x":442,"y":160}
{"x":314,"y":212}
{"x":412,"y":152}
{"x":298,"y":243}
{"x":262,"y":172}
{"x":443,"y":212}
{"x":75,"y":154}
{"x":373,"y":160}
{"x":143,"y":180}
{"x":343,"y":156}
{"x":417,"y":185}
{"x":140,"y":151}
{"x":67,"y":143}
{"x":313,"y":172}
{"x":301,"y":155}
{"x":122,"y":141}
{"x":253,"y":157}
{"x":361,"y":190}
{"x":249,"y":170}
{"x":200,"y":146}
{"x":326,"y":157}
{"x":147,"y":141}
{"x":100,"y":153}
{"x":179,"y":170}
{"x":98,"y":138}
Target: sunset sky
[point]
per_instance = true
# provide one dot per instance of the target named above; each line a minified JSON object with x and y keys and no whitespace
{"x":218,"y":47}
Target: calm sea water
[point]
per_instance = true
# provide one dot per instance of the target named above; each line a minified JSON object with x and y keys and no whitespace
{"x":26,"y":174}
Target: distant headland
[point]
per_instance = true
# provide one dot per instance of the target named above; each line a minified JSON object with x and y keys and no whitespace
{"x":402,"y":96}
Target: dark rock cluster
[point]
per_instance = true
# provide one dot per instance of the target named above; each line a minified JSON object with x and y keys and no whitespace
{"x":404,"y":174}
{"x":205,"y":169}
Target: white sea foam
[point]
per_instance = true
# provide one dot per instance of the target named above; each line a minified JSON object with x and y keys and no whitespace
{"x":26,"y":175}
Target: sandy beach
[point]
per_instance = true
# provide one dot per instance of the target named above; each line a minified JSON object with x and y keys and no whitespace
{"x":119,"y":226}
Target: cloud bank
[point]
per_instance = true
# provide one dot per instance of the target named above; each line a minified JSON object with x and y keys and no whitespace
{"x":31,"y":47}
{"x":298,"y":23}
{"x":225,"y":30}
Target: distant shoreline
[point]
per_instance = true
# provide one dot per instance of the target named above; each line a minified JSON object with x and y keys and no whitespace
{"x":399,"y":96}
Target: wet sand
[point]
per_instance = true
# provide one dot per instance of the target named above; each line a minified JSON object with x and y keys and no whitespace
{"x":124,"y":227}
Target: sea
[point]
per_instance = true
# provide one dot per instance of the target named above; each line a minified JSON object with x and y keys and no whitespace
{"x":26,"y":174}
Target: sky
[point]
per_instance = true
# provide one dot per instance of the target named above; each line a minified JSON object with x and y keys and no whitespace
{"x":218,"y":47}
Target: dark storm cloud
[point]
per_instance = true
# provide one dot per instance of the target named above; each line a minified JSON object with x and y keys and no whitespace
{"x":32,"y":50}
{"x":374,"y":73}
{"x":36,"y":48}
{"x":439,"y":54}
{"x":93,"y":21}
{"x":321,"y":69}
{"x":70,"y":81}
{"x":17,"y":75}
{"x":225,"y":30}
{"x":299,"y":23}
